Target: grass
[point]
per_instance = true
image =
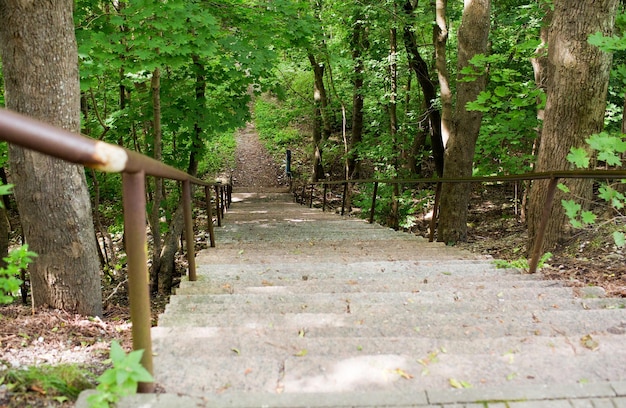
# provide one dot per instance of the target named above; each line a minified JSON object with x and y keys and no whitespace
{"x":60,"y":382}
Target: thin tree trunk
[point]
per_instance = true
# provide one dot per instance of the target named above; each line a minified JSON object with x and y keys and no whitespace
{"x":358,"y":43}
{"x":155,"y":213}
{"x":393,"y":122}
{"x":318,"y":96}
{"x":40,"y":66}
{"x":420,"y":67}
{"x":440,"y":34}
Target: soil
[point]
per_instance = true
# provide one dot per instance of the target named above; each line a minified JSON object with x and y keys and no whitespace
{"x":32,"y":337}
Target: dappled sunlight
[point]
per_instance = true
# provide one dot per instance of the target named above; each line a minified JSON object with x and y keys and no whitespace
{"x":351,"y":374}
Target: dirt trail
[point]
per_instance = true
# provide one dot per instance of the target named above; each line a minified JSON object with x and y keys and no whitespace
{"x":255,"y":169}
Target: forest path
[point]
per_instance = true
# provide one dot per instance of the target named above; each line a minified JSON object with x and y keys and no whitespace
{"x":255,"y":170}
{"x":301,"y":308}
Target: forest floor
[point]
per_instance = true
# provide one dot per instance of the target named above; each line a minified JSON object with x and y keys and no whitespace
{"x":35,"y":337}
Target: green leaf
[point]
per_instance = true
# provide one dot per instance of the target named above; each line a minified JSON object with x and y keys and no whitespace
{"x":620,"y":239}
{"x":578,"y":156}
{"x":588,"y":217}
{"x":501,"y":91}
{"x":563,"y":188}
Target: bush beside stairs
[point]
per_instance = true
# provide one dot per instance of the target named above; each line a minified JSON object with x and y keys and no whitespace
{"x":299,"y":307}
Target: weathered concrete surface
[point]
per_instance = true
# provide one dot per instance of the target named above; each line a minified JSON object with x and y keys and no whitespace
{"x":296,"y":307}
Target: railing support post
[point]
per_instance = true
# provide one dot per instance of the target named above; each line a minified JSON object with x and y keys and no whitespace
{"x":545,"y":217}
{"x":222,"y":201}
{"x":189,"y":235}
{"x":373,"y":209}
{"x":324,"y":199}
{"x":433,"y":221}
{"x":311,"y":198}
{"x":218,"y":212}
{"x":343,"y":199}
{"x":209,"y":216}
{"x":134,"y":202}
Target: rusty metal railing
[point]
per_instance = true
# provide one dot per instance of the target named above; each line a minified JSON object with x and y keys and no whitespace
{"x":553,"y":177}
{"x":38,"y":136}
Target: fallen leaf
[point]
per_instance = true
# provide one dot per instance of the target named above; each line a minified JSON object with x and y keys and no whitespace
{"x":403,"y":374}
{"x":301,"y":353}
{"x":459,"y":384}
{"x":235,"y":350}
{"x":589,"y":343}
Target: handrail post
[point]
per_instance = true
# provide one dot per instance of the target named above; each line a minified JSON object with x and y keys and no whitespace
{"x":373,"y":209}
{"x":209,"y":215}
{"x":222,"y":201}
{"x":433,"y":220}
{"x":134,"y":203}
{"x":324,"y":199}
{"x":545,"y":217}
{"x":343,"y":199}
{"x":311,"y":200}
{"x":218,"y":212}
{"x":189,"y":235}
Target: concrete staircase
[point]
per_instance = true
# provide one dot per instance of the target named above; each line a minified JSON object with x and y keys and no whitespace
{"x":296,"y":307}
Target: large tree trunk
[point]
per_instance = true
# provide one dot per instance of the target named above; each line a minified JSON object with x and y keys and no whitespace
{"x":393,"y":123}
{"x":40,"y":63}
{"x":473,"y":35}
{"x":420,"y":67}
{"x":573,"y":112}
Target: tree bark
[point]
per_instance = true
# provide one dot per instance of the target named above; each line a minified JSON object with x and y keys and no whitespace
{"x":155,"y":213}
{"x":573,"y":112}
{"x":40,"y":64}
{"x":440,"y":38}
{"x":318,"y":95}
{"x":359,"y":44}
{"x":473,"y":36}
{"x":420,"y":67}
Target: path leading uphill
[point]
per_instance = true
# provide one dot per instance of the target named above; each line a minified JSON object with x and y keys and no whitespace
{"x":300,"y":308}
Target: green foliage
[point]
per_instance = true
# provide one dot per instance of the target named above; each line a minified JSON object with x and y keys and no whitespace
{"x":273,"y":122}
{"x":64,"y":381}
{"x":18,"y":260}
{"x":522,"y":263}
{"x":121,"y":380}
{"x":608,"y":148}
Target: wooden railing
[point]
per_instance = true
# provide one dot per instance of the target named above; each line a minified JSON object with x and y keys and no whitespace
{"x":38,"y":136}
{"x":554,"y":177}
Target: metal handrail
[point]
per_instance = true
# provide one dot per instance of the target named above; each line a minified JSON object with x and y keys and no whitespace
{"x":552,"y":176}
{"x":72,"y":147}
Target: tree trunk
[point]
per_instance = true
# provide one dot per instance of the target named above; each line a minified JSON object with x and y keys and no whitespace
{"x":318,"y":89}
{"x":40,"y":63}
{"x":573,"y":112}
{"x":393,"y":123}
{"x":473,"y":35}
{"x":420,"y":67}
{"x":155,"y":213}
{"x":440,"y":34}
{"x":358,"y":44}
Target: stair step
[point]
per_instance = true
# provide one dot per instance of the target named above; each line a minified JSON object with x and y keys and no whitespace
{"x":218,"y":342}
{"x":380,"y":372}
{"x":269,"y":285}
{"x":441,"y":325}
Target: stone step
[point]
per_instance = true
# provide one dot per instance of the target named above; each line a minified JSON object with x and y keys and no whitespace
{"x":380,"y":372}
{"x":220,"y":342}
{"x":323,"y":270}
{"x":270,"y":285}
{"x":356,"y":300}
{"x":455,"y":324}
{"x":342,"y":307}
{"x":330,"y":251}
